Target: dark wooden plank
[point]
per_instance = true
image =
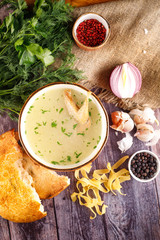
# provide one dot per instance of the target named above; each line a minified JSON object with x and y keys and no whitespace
{"x":4,"y":229}
{"x":6,"y":123}
{"x":44,"y":229}
{"x":134,"y":216}
{"x":156,"y":150}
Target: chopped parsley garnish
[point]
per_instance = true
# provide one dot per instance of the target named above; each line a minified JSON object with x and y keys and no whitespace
{"x":44,"y":111}
{"x":75,"y":125}
{"x":30,"y":109}
{"x":56,"y":109}
{"x":62,"y":161}
{"x":39,"y":124}
{"x":69,"y":158}
{"x":62,"y":122}
{"x":54,"y":162}
{"x":90,"y":114}
{"x":54,"y":124}
{"x":90,"y":100}
{"x":61,"y":110}
{"x":82,"y":134}
{"x":36,"y":132}
{"x":94,"y":147}
{"x":77,"y":161}
{"x":49,"y":151}
{"x":59,"y":143}
{"x":68,"y":134}
{"x":64,"y":131}
{"x":35,"y":128}
{"x":77,"y":154}
{"x":44,"y":123}
{"x":25,"y":132}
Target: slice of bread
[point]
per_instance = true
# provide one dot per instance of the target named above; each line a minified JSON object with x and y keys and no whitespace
{"x":21,"y":180}
{"x":47,"y":183}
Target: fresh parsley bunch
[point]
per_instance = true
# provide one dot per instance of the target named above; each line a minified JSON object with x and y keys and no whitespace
{"x":35,"y":49}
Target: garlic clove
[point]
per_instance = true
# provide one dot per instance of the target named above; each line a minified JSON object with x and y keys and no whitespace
{"x":125,"y":143}
{"x":145,"y":132}
{"x":125,"y":80}
{"x":155,"y":138}
{"x":147,"y":115}
{"x":122,"y":122}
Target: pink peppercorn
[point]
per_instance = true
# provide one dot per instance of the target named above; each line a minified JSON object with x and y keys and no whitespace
{"x":91,"y":33}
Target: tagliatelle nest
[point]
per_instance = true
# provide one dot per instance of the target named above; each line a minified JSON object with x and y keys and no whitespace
{"x":104,"y":180}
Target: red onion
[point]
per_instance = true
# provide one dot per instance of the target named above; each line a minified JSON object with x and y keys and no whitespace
{"x":125,"y":80}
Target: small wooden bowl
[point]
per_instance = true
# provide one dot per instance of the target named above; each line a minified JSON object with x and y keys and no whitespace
{"x":87,"y":16}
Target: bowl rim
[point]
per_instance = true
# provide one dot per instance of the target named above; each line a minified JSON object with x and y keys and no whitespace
{"x":54,"y":168}
{"x":144,"y":180}
{"x":87,"y":47}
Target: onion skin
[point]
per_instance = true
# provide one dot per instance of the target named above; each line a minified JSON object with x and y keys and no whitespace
{"x":125,"y":80}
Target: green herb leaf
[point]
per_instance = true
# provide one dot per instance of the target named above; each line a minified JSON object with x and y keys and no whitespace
{"x":63,"y":129}
{"x":55,"y":163}
{"x":54,"y":124}
{"x":60,"y":110}
{"x":68,"y":134}
{"x":75,"y":125}
{"x":44,"y":111}
{"x":29,"y":44}
{"x":69,"y":158}
{"x":77,"y":154}
{"x":82,"y":134}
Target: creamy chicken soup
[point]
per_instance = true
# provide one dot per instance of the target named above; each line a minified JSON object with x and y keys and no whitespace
{"x":53,"y":133}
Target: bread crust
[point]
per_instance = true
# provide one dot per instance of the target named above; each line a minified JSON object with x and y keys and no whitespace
{"x":47,"y":183}
{"x":17,"y":199}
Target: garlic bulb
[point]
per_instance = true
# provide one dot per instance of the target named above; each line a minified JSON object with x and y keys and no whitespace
{"x":125,"y":80}
{"x":122,"y":121}
{"x":125,"y":143}
{"x":145,"y":132}
{"x":145,"y":116}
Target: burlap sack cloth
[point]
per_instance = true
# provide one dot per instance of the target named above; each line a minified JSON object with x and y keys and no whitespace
{"x":130,"y":20}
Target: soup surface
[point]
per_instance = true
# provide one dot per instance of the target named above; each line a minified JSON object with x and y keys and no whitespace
{"x":54,"y":135}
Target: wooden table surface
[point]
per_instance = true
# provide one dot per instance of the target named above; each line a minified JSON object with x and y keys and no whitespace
{"x":134,"y":216}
